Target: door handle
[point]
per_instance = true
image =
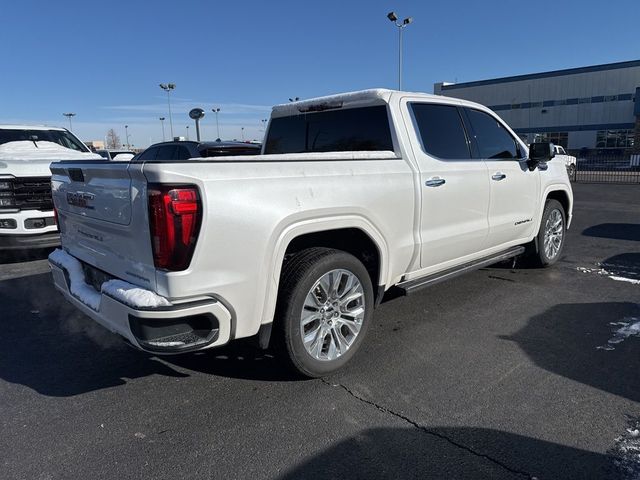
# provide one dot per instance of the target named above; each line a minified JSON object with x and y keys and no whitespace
{"x":434,"y":182}
{"x":498,"y":176}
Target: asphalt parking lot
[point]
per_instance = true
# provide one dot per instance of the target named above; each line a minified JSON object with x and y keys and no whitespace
{"x":496,"y":374}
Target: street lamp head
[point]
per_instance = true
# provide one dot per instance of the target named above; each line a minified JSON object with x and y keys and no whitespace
{"x":407,"y":21}
{"x":171,"y":86}
{"x":69,"y":114}
{"x":163,"y":86}
{"x":215,"y":110}
{"x":162,"y":119}
{"x":392,"y":16}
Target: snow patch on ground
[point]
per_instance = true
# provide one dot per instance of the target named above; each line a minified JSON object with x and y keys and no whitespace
{"x":628,"y":327}
{"x":619,"y":273}
{"x":134,"y":296}
{"x":626,"y":452}
{"x":125,"y":292}
{"x":27,"y":150}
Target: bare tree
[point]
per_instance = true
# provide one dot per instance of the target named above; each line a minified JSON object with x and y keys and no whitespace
{"x":113,"y":139}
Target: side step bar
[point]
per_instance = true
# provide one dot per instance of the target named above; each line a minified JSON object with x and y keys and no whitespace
{"x":412,"y":286}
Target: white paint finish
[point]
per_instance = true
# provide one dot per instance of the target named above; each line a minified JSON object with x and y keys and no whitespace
{"x":513,"y":202}
{"x":254,"y":206}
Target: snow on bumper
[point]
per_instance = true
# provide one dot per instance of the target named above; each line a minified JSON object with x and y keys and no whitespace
{"x":147,"y":320}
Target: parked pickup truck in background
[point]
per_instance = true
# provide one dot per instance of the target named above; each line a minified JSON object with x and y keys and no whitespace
{"x":569,"y":160}
{"x":26,"y":207}
{"x":352,"y":194}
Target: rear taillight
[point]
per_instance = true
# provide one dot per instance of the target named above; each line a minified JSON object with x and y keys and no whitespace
{"x":175,"y":213}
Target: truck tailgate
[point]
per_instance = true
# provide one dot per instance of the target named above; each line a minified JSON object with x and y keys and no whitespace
{"x":103,"y":218}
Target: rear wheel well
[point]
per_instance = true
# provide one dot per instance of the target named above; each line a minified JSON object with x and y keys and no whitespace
{"x":562,"y":197}
{"x":350,"y":240}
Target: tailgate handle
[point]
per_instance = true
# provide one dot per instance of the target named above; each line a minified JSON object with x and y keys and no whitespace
{"x":76,"y":175}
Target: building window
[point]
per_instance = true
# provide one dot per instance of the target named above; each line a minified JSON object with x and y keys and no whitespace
{"x":614,"y":139}
{"x":557,"y":138}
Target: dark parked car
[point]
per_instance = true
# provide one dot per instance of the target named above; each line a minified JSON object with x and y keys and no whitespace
{"x":185,"y":149}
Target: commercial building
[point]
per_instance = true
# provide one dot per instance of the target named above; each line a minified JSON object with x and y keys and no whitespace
{"x":595,"y":107}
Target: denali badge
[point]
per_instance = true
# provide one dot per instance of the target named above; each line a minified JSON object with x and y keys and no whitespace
{"x":520,"y":222}
{"x":80,"y":199}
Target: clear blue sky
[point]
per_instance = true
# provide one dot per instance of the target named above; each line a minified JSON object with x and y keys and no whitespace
{"x":104,"y":60}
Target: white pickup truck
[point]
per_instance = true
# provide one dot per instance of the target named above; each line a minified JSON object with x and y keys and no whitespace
{"x":569,"y":160}
{"x":26,"y":207}
{"x":353,"y":194}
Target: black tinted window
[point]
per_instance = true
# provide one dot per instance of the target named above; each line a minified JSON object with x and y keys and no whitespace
{"x":149,"y":154}
{"x":331,"y":131}
{"x":182,"y":153}
{"x":492,"y":138}
{"x":166,"y":152}
{"x":441,"y":130}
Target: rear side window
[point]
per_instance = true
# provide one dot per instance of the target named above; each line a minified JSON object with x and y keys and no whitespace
{"x":352,"y":129}
{"x":166,"y":152}
{"x":441,"y":131}
{"x":149,"y":154}
{"x":492,"y":139}
{"x":182,"y":153}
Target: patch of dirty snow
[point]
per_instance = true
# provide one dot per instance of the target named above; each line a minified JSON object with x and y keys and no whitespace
{"x":620,"y":273}
{"x":79,"y":289}
{"x":628,"y":327}
{"x":134,"y":296}
{"x":125,"y":292}
{"x":626,"y":453}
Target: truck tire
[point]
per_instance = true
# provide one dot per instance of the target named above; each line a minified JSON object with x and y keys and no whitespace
{"x":325,"y":304}
{"x":552,"y":233}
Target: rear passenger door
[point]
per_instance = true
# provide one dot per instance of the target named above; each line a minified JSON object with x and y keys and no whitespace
{"x":454,"y":187}
{"x":514,"y":188}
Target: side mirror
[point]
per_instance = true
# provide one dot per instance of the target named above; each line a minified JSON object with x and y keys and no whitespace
{"x":540,"y":152}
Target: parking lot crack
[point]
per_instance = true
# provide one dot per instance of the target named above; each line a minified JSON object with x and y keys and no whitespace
{"x":427,"y":431}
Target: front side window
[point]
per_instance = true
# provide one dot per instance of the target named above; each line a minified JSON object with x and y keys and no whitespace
{"x":441,"y":131}
{"x":348,"y":130}
{"x":492,"y":138}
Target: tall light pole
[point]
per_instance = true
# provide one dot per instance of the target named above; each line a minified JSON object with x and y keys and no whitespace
{"x":216,"y":111}
{"x":242,"y":131}
{"x":126,"y":134}
{"x":187,"y":132}
{"x":69,"y":115}
{"x":401,"y":26}
{"x":162,"y":122}
{"x":167,"y":87}
{"x":264,"y":123}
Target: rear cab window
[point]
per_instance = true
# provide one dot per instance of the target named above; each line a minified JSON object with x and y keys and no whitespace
{"x":344,"y":130}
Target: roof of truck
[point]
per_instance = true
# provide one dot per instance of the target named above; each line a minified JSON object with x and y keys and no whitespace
{"x":29,"y":127}
{"x":374,"y":96}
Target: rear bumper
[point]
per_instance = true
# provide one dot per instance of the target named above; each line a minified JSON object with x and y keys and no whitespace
{"x":182,"y":327}
{"x":22,"y":242}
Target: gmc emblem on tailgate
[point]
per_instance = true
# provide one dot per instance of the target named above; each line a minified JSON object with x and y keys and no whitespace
{"x":80,"y":199}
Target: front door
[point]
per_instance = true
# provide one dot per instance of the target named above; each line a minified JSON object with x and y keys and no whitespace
{"x":514,"y":188}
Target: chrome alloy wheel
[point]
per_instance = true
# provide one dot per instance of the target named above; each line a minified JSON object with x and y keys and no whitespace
{"x":553,"y":232}
{"x":332,"y":315}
